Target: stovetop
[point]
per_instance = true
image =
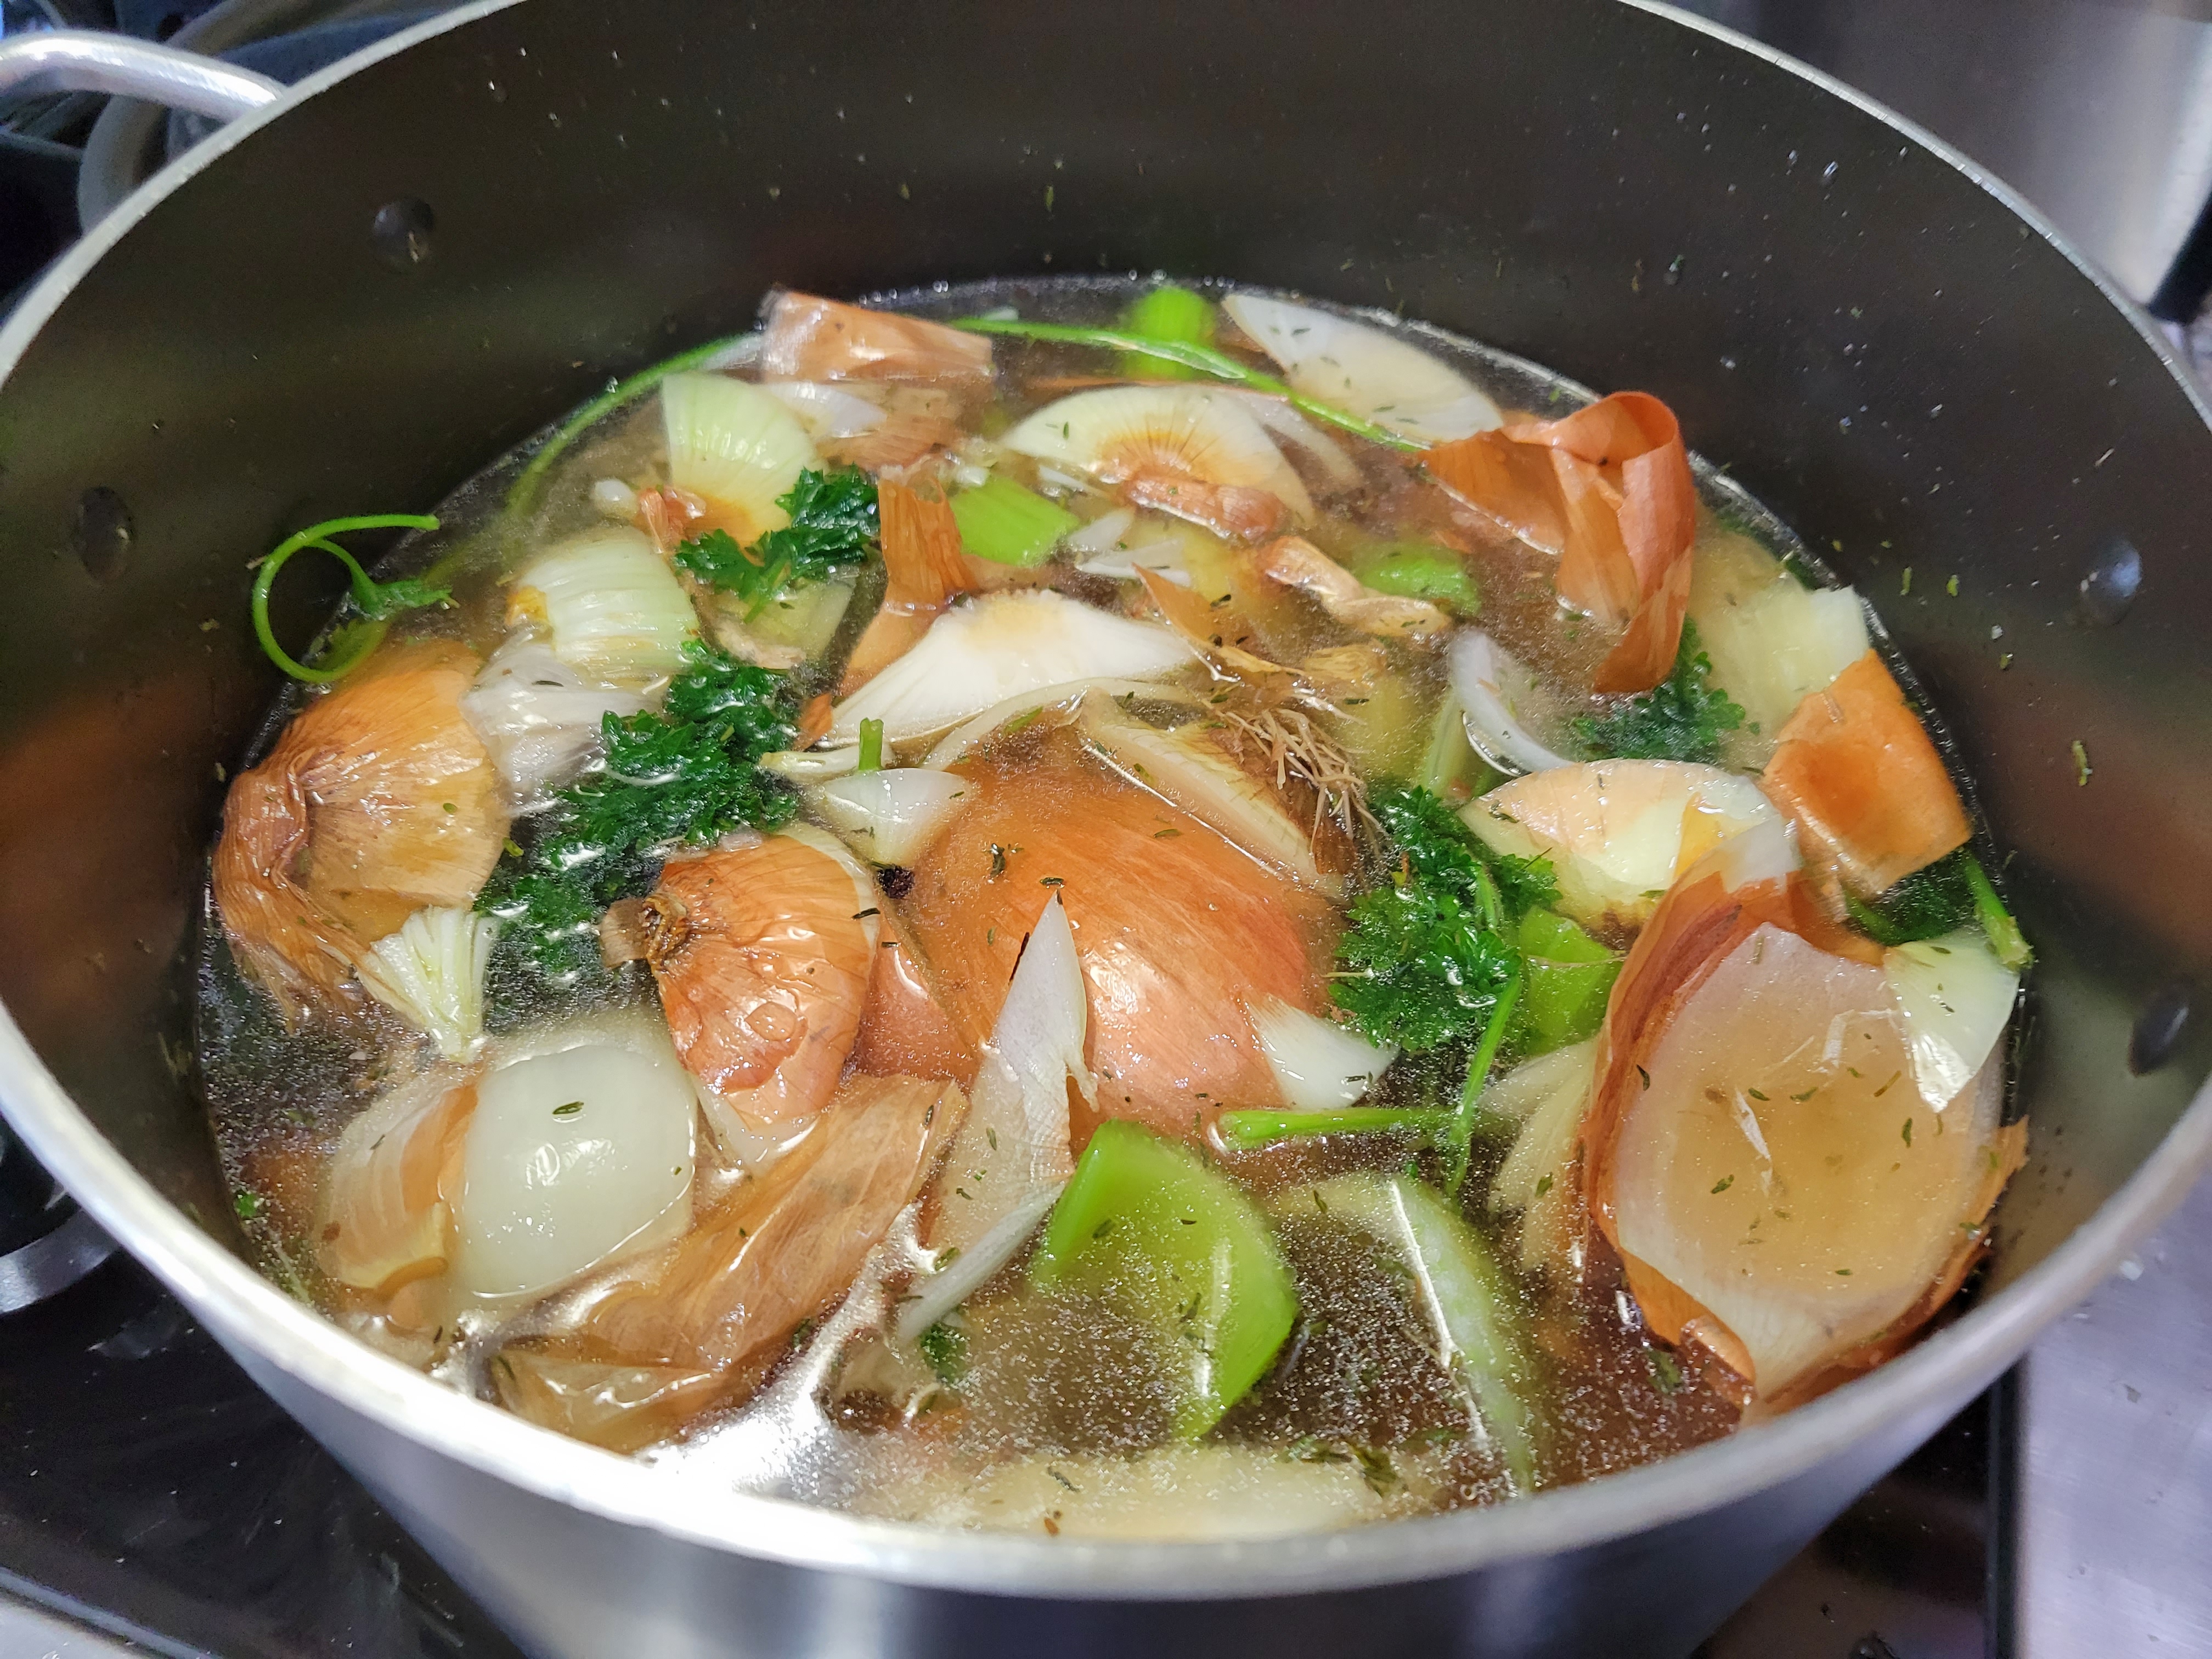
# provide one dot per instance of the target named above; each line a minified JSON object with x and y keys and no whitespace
{"x":152,"y":1501}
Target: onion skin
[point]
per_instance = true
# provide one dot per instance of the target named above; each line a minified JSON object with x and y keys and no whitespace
{"x":763,"y":969}
{"x":1858,"y":772}
{"x":812,"y":338}
{"x":378,"y":800}
{"x":785,"y":1246}
{"x":1296,"y":562}
{"x":905,"y":1030}
{"x":1235,"y":511}
{"x":1618,"y":503}
{"x":1177,"y":932}
{"x":1699,"y":924}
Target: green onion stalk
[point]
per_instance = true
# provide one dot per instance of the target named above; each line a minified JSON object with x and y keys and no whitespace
{"x":379,"y":602}
{"x":1205,"y":359}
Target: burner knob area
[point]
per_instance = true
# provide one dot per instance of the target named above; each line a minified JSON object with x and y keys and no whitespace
{"x":46,"y":1243}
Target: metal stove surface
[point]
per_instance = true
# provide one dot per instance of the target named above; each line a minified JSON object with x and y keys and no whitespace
{"x":152,"y":1501}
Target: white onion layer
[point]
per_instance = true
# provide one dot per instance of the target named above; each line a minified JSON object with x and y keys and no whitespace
{"x":1365,"y":370}
{"x":893,"y":816}
{"x":614,"y":608}
{"x":1490,"y":685}
{"x":1956,"y":999}
{"x":1317,"y":1063}
{"x":538,"y":717}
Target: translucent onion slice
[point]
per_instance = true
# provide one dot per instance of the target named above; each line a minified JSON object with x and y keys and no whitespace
{"x":734,"y":445}
{"x":784,"y":1247}
{"x":1548,"y":1095}
{"x":1317,"y":1063}
{"x":968,"y":736}
{"x":808,"y":766}
{"x":1957,"y":999}
{"x":1185,"y":767}
{"x":1013,"y":1154}
{"x":1122,"y":432}
{"x":1000,"y":647}
{"x":1210,"y":1493}
{"x":1773,"y":642}
{"x":1363,"y":370}
{"x":1775,"y":1187}
{"x":827,"y":412}
{"x":614,"y":608}
{"x":431,"y":973}
{"x":893,"y":816}
{"x":385,"y":1218}
{"x":1492,"y":686}
{"x":1618,"y":833}
{"x":539,"y":718}
{"x":1280,"y":417}
{"x":575,"y":1156}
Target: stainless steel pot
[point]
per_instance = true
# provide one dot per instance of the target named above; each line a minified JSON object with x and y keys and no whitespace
{"x":346,"y":301}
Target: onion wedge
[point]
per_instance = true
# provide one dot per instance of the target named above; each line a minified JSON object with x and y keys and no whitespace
{"x":1491,"y":685}
{"x":734,"y":445}
{"x":1317,"y":1063}
{"x":1365,"y":370}
{"x":1163,"y":433}
{"x":1001,"y":646}
{"x":383,"y":794}
{"x":1618,"y":833}
{"x":614,"y":608}
{"x":892,"y":816}
{"x":1774,"y":1194}
{"x":1617,"y":502}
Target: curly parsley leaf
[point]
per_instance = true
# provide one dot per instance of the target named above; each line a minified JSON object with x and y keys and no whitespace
{"x":1425,"y":958}
{"x":1428,"y":839}
{"x":834,"y":527}
{"x":680,"y":777}
{"x":1683,"y":718}
{"x":1415,"y":969}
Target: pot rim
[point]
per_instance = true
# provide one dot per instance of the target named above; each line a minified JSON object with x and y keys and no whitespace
{"x":248,"y":1311}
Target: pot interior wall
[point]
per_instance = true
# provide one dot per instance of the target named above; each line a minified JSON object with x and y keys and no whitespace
{"x":1910,"y":376}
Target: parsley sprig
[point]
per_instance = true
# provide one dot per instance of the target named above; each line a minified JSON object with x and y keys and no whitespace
{"x":1683,"y":718}
{"x":376,"y":603}
{"x":834,"y":527}
{"x":680,"y":777}
{"x":1425,"y":961}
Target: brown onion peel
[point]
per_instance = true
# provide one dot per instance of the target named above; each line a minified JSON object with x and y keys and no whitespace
{"x":1618,"y":503}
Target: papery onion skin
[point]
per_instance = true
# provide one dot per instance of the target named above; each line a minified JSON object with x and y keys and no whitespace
{"x":1858,"y":772}
{"x":1296,"y":562}
{"x":1697,"y":927}
{"x":763,"y":966}
{"x":1177,"y":932}
{"x":783,"y":1248}
{"x":1622,"y":505}
{"x":906,"y":1029}
{"x":810,"y":339}
{"x":378,"y":800}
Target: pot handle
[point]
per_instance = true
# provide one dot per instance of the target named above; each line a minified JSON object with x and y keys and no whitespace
{"x":83,"y":60}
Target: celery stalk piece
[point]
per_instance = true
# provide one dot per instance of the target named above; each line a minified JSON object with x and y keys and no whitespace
{"x":1419,"y":571}
{"x":1008,"y":525}
{"x":1570,"y":977}
{"x":1148,"y":1223}
{"x":2005,"y":938}
{"x":1168,"y":314}
{"x":1473,"y":1317}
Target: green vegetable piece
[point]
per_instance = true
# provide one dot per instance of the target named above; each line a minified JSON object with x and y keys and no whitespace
{"x":1467,"y":1122}
{"x":1205,"y":359}
{"x":871,"y":747}
{"x":833,"y":527}
{"x":680,"y":777}
{"x":1683,"y":718}
{"x":1245,"y":1130}
{"x":1570,"y":976}
{"x":1148,"y":1222}
{"x":524,"y":495}
{"x":1420,"y":570}
{"x":1008,"y":525}
{"x":378,"y":602}
{"x":1451,"y":770}
{"x":944,"y":1350}
{"x":2005,"y":938}
{"x":1926,"y":905}
{"x":1474,"y":1317}
{"x":1171,"y":313}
